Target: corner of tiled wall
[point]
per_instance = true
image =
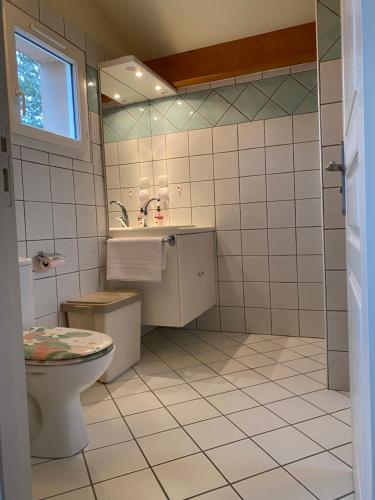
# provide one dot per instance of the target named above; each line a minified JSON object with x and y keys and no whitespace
{"x":331,"y":129}
{"x":60,"y":201}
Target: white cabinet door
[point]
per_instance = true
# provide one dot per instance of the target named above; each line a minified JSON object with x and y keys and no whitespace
{"x":196,"y":274}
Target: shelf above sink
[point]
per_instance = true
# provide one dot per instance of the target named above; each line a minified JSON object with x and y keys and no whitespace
{"x":128,"y":232}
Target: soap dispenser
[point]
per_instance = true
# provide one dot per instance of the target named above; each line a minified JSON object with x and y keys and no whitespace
{"x":159,"y":217}
{"x":141,"y":218}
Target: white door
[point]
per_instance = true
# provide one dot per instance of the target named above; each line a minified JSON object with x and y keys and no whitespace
{"x":15,"y":473}
{"x":359,"y":132}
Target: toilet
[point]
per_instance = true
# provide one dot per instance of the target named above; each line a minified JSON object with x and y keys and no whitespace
{"x":60,"y":364}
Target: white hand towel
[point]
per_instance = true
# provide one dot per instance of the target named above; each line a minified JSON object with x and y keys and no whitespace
{"x":136,"y":259}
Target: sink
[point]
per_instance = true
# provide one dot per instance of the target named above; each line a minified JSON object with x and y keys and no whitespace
{"x":124,"y":232}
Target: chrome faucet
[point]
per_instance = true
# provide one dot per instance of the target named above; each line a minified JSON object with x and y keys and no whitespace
{"x":124,"y":218}
{"x":144,"y":210}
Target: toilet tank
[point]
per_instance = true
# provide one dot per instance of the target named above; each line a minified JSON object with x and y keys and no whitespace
{"x":27,"y":295}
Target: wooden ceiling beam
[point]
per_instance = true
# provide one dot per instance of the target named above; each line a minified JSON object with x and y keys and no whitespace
{"x":276,"y":49}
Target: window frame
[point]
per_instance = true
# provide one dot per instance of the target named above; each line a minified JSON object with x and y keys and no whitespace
{"x":17,"y":21}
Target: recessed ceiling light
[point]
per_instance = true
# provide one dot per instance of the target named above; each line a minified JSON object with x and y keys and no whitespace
{"x":157,"y":87}
{"x":139,"y":74}
{"x":116,"y":96}
{"x":91,"y":84}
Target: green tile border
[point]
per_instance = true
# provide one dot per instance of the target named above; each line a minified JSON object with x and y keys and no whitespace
{"x":257,"y":100}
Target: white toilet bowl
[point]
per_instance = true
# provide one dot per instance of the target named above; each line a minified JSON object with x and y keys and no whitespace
{"x":57,"y":427}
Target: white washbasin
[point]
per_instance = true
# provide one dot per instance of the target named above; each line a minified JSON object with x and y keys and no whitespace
{"x":125,"y":232}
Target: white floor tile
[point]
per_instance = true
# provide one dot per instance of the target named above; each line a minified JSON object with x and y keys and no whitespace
{"x":320,"y":358}
{"x":229,"y":402}
{"x":176,"y":394}
{"x":149,"y":422}
{"x":137,"y":403}
{"x":169,"y":353}
{"x":140,"y":485}
{"x":266,"y":346}
{"x":59,"y":476}
{"x":107,"y":433}
{"x":182,"y":362}
{"x":226,"y":493}
{"x":276,"y":484}
{"x":95,"y":394}
{"x":287,"y":444}
{"x":211,"y":386}
{"x":82,"y":494}
{"x":304,"y":365}
{"x":211,"y":356}
{"x":127,"y":387}
{"x":329,"y":401}
{"x":319,"y":376}
{"x":214,"y":432}
{"x":240,"y":460}
{"x":199,"y":347}
{"x":193,"y":411}
{"x":324,"y":475}
{"x":267,"y":393}
{"x":127,"y":375}
{"x":344,"y":415}
{"x":256,"y":420}
{"x":238,"y":351}
{"x":289,"y":341}
{"x":326,"y":431}
{"x":345,"y":453}
{"x":227,"y":366}
{"x":166,"y":446}
{"x":284,"y":355}
{"x":295,"y":410}
{"x":307,"y":350}
{"x":300,"y":384}
{"x":196,"y":373}
{"x":97,"y":412}
{"x":151,"y":368}
{"x":257,"y":360}
{"x":246,"y":378}
{"x":276,"y":372}
{"x":176,"y":477}
{"x":160,"y":380}
{"x":111,"y":461}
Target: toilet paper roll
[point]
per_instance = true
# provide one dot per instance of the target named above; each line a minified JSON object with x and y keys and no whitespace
{"x":45,"y":262}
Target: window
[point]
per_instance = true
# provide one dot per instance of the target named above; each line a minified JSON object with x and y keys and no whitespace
{"x":47,"y":76}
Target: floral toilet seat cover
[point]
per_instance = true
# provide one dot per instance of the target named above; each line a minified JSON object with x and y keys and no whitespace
{"x":64,"y":345}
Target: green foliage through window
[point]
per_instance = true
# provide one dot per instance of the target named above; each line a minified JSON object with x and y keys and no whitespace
{"x":29,"y":84}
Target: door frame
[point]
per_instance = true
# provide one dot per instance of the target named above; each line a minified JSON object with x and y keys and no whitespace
{"x":15,"y":466}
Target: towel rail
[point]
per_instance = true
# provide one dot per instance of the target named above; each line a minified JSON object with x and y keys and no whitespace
{"x":169,"y":239}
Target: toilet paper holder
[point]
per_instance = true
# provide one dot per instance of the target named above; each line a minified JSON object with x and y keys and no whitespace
{"x":48,"y":261}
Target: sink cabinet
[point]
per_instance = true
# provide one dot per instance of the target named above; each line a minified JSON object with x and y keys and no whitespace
{"x":187,"y":288}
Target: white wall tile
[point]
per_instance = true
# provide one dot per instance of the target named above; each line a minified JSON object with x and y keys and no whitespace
{"x":146,"y":170}
{"x":67,"y":287}
{"x":257,"y":294}
{"x":254,"y":242}
{"x":309,"y":240}
{"x":111,"y":153}
{"x":337,"y":322}
{"x":89,"y":281}
{"x":177,"y":145}
{"x":38,"y":221}
{"x":255,"y":268}
{"x":281,"y":214}
{"x":338,"y":375}
{"x":331,"y":123}
{"x":68,"y":248}
{"x":84,"y":188}
{"x":336,"y":290}
{"x":225,"y":138}
{"x":64,"y":218}
{"x":101,"y":220}
{"x":309,"y":212}
{"x":226,"y":165}
{"x":95,"y":131}
{"x":258,"y":320}
{"x":160,"y":168}
{"x":335,"y":249}
{"x":280,"y":187}
{"x":36,"y":182}
{"x":251,"y":134}
{"x":333,"y":217}
{"x":60,"y":161}
{"x":159,"y":151}
{"x":282,"y":241}
{"x":202,"y":193}
{"x":230,"y":268}
{"x":99,"y":190}
{"x":128,"y":151}
{"x":311,"y":296}
{"x":279,"y":131}
{"x":306,"y":127}
{"x":145,"y":149}
{"x":308,"y":184}
{"x":88,"y":253}
{"x":62,"y":187}
{"x":200,"y":141}
{"x":279,"y":159}
{"x":254,"y":216}
{"x":129,"y":175}
{"x":34,"y":156}
{"x":179,"y":195}
{"x":252,"y":161}
{"x":283,"y":268}
{"x":201,"y":168}
{"x":227,"y":191}
{"x":306,"y":156}
{"x":17,"y":179}
{"x":130,"y":198}
{"x":284,"y":295}
{"x":232,"y":319}
{"x":231,"y":293}
{"x":330,"y":81}
{"x":228,"y":242}
{"x":285,"y":322}
{"x":228,"y":217}
{"x":178,"y":170}
{"x":20,"y":220}
{"x":86,"y":221}
{"x":179,"y":216}
{"x":310,"y":268}
{"x":203,"y":216}
{"x":97,"y":159}
{"x":253,"y":189}
{"x":312,"y":323}
{"x":45,"y":297}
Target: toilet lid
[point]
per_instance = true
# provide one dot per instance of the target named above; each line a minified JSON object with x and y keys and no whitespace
{"x":64,"y":345}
